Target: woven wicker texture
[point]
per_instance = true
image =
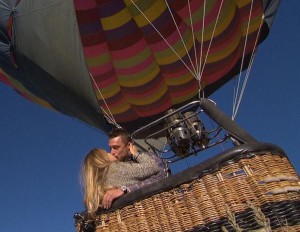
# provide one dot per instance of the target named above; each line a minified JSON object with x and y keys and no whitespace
{"x":249,"y":194}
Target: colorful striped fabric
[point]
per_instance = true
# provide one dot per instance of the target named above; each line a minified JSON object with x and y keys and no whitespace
{"x":134,"y":67}
{"x":133,"y":58}
{"x":20,"y":89}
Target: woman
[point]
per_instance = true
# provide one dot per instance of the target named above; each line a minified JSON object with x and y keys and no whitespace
{"x":101,"y":171}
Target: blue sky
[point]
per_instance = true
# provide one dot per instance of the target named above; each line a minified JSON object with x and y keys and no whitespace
{"x":41,"y":150}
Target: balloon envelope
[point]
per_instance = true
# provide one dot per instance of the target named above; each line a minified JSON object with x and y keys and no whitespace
{"x":126,"y":61}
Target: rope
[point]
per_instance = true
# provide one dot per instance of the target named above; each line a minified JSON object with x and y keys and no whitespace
{"x":236,"y":90}
{"x":170,"y":46}
{"x":201,"y":49}
{"x":109,"y":115}
{"x":182,"y":41}
{"x":202,"y":38}
{"x":236,"y":107}
{"x":193,"y":35}
{"x":210,"y":42}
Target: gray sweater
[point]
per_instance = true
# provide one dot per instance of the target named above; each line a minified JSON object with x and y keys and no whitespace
{"x":131,"y":172}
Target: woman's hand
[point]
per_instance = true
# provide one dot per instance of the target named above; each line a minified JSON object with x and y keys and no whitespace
{"x":109,"y":196}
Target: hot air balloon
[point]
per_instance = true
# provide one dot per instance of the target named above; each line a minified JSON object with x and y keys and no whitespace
{"x":149,"y":66}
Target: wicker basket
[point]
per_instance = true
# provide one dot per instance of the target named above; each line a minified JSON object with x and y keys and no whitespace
{"x":251,"y":188}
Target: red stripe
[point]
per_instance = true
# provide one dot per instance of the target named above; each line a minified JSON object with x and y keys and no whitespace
{"x":126,"y":41}
{"x":4,"y":79}
{"x":84,"y":4}
{"x":130,"y":51}
{"x":93,"y":39}
{"x":87,"y":16}
{"x":139,"y":67}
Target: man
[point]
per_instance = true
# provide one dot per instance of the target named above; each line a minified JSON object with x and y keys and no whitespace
{"x":121,"y":147}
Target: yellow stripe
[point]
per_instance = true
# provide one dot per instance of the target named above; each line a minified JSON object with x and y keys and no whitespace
{"x":182,"y":79}
{"x":6,"y":75}
{"x":242,"y":3}
{"x":149,"y":99}
{"x":120,"y":108}
{"x":140,"y":78}
{"x":31,"y":97}
{"x":17,"y":85}
{"x":168,"y":56}
{"x":117,"y":20}
{"x":98,"y":60}
{"x":152,"y":13}
{"x":142,"y":6}
{"x":41,"y":102}
{"x":221,"y":54}
{"x":108,"y":91}
{"x":254,"y":25}
{"x":134,"y":60}
{"x":197,"y":16}
{"x":177,"y":100}
{"x":124,"y":106}
{"x":225,"y":18}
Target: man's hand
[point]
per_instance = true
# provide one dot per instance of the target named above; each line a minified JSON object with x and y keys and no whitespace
{"x":110,"y":196}
{"x":133,"y":150}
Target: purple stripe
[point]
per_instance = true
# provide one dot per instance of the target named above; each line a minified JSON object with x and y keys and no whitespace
{"x":159,"y":22}
{"x":109,"y":8}
{"x":124,"y":30}
{"x":90,"y":28}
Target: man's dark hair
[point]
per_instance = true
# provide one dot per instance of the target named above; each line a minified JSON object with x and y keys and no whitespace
{"x":126,"y":137}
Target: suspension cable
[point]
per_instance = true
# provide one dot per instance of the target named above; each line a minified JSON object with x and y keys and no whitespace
{"x":198,"y":71}
{"x":201,"y":67}
{"x":202,"y":39}
{"x":236,"y":91}
{"x":170,"y":46}
{"x":182,"y":41}
{"x":108,"y":114}
{"x":199,"y":76}
{"x":249,"y":68}
{"x":193,"y":35}
{"x":243,"y":87}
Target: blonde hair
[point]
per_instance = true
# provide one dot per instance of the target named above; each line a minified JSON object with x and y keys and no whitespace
{"x":93,"y":174}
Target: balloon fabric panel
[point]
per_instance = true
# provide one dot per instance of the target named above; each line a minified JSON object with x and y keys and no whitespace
{"x":133,"y":58}
{"x":129,"y":48}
